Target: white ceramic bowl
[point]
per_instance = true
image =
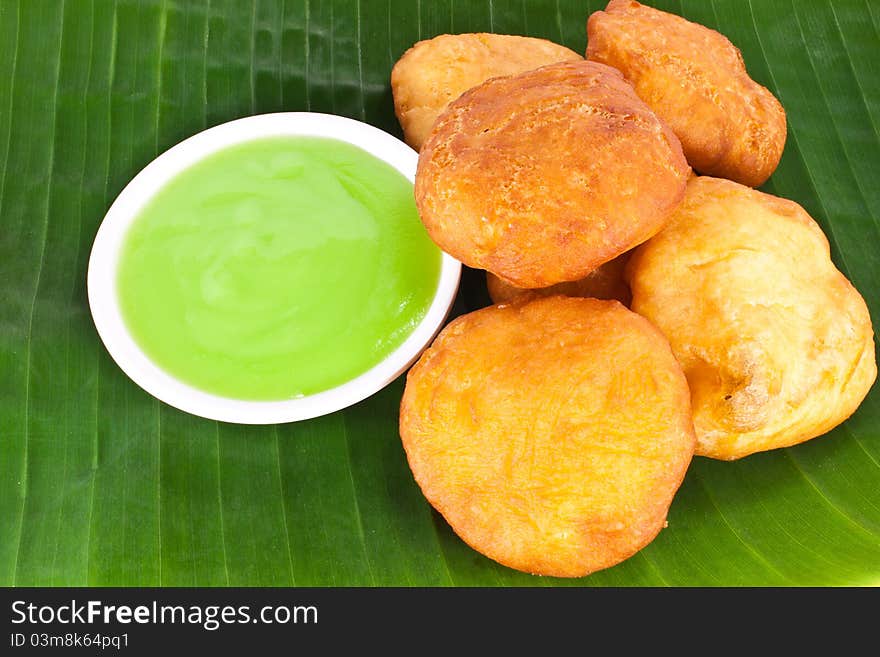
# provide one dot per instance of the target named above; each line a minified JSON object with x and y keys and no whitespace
{"x":103,"y":262}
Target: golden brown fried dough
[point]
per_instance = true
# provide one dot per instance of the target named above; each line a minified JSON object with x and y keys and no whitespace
{"x":604,"y":282}
{"x":543,"y":176}
{"x":436,"y":71}
{"x":551,"y":434}
{"x":695,"y":80}
{"x":777,"y":345}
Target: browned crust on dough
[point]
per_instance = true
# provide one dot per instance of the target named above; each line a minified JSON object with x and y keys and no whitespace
{"x":695,"y":79}
{"x":434,"y":72}
{"x":542,"y":177}
{"x":604,"y":282}
{"x":551,"y":434}
{"x":776,"y":343}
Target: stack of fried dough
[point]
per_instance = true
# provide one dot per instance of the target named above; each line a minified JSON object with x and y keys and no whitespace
{"x":650,"y":304}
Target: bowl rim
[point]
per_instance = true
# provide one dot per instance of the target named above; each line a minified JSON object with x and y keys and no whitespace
{"x":104,"y":258}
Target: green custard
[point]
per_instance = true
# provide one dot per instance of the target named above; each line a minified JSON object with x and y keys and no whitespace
{"x":277,"y":268}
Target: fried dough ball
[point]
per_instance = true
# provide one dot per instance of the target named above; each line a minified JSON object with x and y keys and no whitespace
{"x":551,"y":434}
{"x":604,"y":282}
{"x":695,"y":80}
{"x":777,"y":345}
{"x":436,"y":71}
{"x":543,"y":176}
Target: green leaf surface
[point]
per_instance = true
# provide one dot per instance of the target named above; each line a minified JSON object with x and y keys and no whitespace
{"x":100,"y":484}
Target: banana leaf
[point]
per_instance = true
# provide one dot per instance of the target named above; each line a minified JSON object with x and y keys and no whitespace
{"x":101,"y":484}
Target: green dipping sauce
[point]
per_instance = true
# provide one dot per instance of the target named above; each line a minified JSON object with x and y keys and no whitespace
{"x":277,"y":268}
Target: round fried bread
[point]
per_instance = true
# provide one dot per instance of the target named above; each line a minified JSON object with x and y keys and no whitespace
{"x":695,"y":79}
{"x":543,"y":176}
{"x":551,"y":434}
{"x":777,"y":345}
{"x":436,"y":71}
{"x":604,"y":282}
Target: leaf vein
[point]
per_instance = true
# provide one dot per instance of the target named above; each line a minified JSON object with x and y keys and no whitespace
{"x":354,"y":497}
{"x":33,"y":305}
{"x":831,"y":234}
{"x":13,"y":69}
{"x":757,"y":555}
{"x":283,"y":507}
{"x":853,"y":70}
{"x":220,"y":506}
